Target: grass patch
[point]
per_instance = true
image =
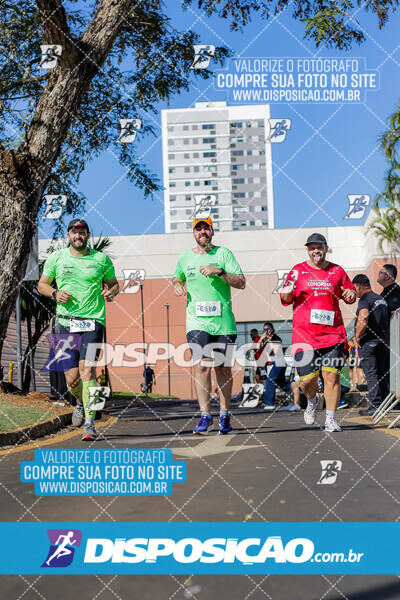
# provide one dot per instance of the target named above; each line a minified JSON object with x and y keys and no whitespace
{"x":22,"y":411}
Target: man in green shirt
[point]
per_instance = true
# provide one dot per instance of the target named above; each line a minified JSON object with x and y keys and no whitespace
{"x":80,"y":273}
{"x":206,"y":274}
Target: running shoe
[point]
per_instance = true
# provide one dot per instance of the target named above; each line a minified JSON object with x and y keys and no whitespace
{"x":269,"y":406}
{"x":331,"y":426}
{"x":291,"y":407}
{"x":204,"y":425}
{"x":310,"y":412}
{"x":342,"y":404}
{"x":78,"y":415}
{"x":225,"y":424}
{"x":89,"y":432}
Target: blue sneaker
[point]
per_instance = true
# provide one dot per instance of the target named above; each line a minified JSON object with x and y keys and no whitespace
{"x":204,"y":425}
{"x":342,"y":403}
{"x":225,"y":424}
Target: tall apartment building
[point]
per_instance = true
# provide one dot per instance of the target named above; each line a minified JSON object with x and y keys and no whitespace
{"x":220,"y":155}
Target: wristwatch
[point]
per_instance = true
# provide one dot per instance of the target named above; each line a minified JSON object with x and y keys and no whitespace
{"x":221,"y":273}
{"x":54,"y":295}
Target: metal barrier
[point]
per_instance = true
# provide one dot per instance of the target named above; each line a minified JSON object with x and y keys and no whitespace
{"x":394,"y":364}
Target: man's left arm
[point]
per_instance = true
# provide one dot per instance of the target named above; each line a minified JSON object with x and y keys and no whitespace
{"x":111,"y":289}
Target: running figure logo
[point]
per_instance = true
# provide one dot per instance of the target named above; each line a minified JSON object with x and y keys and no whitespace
{"x":62,"y":348}
{"x":202,"y":55}
{"x":358,"y":204}
{"x":278,"y":129}
{"x":50,"y":54}
{"x":281,"y":275}
{"x":54,"y":206}
{"x":132,"y":280}
{"x":129,"y":129}
{"x":203,"y":206}
{"x":62,"y":547}
{"x":330,"y":471}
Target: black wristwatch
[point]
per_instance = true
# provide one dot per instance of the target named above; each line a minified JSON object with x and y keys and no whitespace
{"x":222,"y":272}
{"x":54,"y":295}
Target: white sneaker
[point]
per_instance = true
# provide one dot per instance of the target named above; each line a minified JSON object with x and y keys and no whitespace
{"x":331,"y":426}
{"x":310,"y":413}
{"x":291,"y":407}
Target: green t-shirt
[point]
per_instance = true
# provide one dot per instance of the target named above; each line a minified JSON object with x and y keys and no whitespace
{"x":81,"y":276}
{"x":206,"y":295}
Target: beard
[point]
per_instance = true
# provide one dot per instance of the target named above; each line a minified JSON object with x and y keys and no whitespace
{"x":79,"y":244}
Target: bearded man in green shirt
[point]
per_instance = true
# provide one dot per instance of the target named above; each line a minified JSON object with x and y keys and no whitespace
{"x":80,"y":273}
{"x":206,"y":274}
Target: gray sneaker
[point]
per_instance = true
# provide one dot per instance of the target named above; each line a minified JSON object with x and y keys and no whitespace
{"x":78,"y":415}
{"x":89,"y":432}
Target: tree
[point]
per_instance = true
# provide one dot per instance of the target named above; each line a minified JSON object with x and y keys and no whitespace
{"x":386,"y":224}
{"x":119,"y":59}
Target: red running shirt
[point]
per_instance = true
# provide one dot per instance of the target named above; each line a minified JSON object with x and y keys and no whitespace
{"x":317,"y":319}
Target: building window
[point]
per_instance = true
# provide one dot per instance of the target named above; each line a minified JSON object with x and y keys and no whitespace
{"x":238,"y":180}
{"x":172,"y":198}
{"x":209,"y":154}
{"x":170,"y":128}
{"x":173,"y":213}
{"x":250,"y":153}
{"x":171,"y":156}
{"x":188,"y":198}
{"x":195,"y":140}
{"x":194,"y":127}
{"x":187,"y":169}
{"x":196,"y":169}
{"x":208,"y":140}
{"x":237,"y":125}
{"x":195,"y":155}
{"x":208,"y":126}
{"x":252,"y":223}
{"x":172,"y":184}
{"x":261,"y":123}
{"x":189,"y":211}
{"x":170,"y":142}
{"x":239,"y":195}
{"x":186,"y":141}
{"x":174,"y":225}
{"x":171,"y":170}
{"x":237,"y":153}
{"x":186,"y":128}
{"x":187,"y":183}
{"x":264,"y":208}
{"x":197,"y":183}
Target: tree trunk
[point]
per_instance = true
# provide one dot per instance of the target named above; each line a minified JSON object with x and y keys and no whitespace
{"x":24,"y":173}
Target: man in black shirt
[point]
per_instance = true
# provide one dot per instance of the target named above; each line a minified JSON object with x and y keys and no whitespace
{"x":371,"y":330}
{"x":391,"y":290}
{"x":150,"y":378}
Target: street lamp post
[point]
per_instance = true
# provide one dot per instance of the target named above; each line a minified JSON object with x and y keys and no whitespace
{"x":169,"y":365}
{"x":143,"y":334}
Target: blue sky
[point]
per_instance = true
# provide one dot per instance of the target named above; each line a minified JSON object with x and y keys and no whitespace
{"x":331,"y":151}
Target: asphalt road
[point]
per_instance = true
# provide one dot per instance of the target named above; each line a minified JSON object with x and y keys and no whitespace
{"x":268,"y":470}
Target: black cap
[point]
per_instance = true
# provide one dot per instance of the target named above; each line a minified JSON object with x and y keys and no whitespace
{"x":316,"y":238}
{"x":78,"y":223}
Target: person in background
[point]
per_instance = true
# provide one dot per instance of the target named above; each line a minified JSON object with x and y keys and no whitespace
{"x":371,"y":331}
{"x":295,"y":391}
{"x":150,"y":378}
{"x":391,"y":290}
{"x":272,"y":343}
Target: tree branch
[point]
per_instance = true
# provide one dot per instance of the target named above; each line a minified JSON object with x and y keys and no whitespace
{"x":5,"y":89}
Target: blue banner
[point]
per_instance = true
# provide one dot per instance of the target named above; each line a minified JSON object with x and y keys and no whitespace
{"x":203,"y":548}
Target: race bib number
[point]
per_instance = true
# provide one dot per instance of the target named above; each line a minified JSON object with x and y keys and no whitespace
{"x":208,"y":309}
{"x":322,"y":317}
{"x":81,"y":325}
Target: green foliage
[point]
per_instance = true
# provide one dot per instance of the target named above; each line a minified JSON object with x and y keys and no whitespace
{"x":148,"y":63}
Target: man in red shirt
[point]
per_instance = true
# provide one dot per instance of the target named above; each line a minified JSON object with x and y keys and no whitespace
{"x":314,"y":287}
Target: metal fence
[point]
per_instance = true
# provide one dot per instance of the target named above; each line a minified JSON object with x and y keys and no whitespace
{"x":395,"y":353}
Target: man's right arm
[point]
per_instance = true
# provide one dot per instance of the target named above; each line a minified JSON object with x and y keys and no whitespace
{"x":287,"y":291}
{"x":47,"y":290}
